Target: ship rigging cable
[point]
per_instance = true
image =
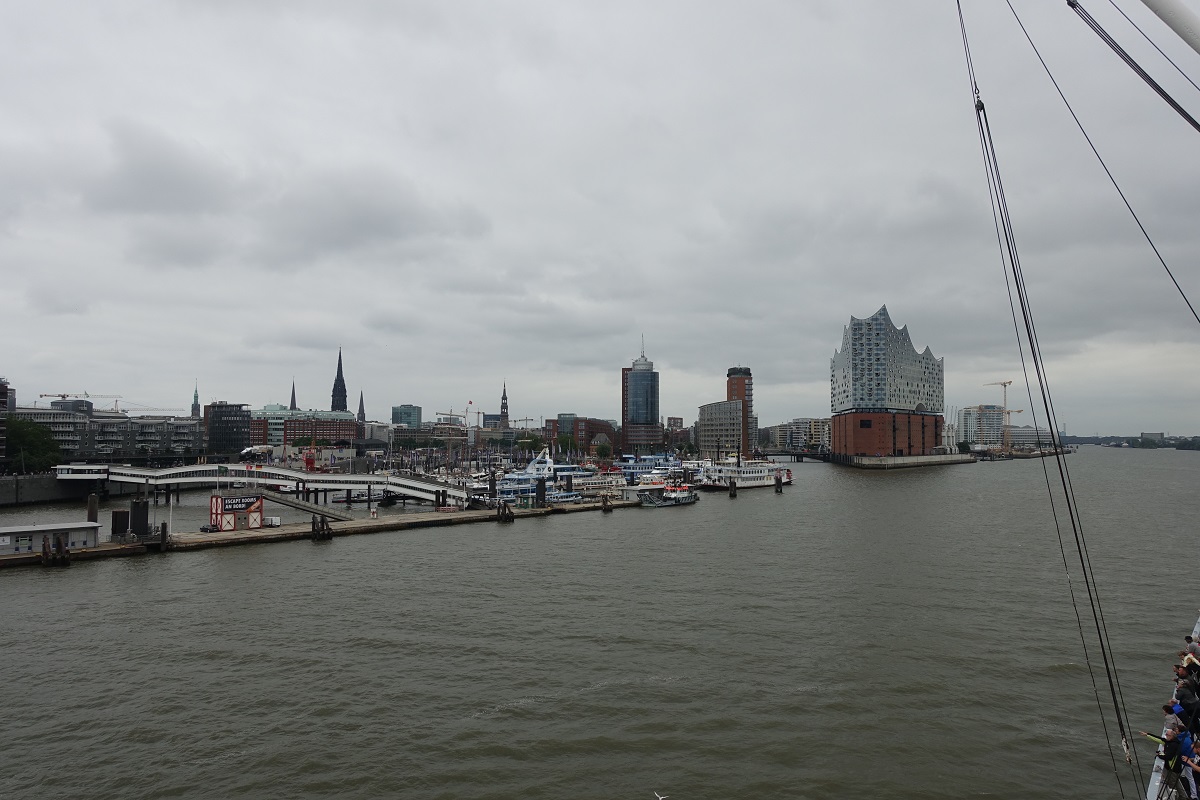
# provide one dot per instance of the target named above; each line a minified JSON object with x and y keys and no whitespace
{"x":1091,"y":22}
{"x":1112,"y":179}
{"x":1152,"y":44}
{"x":1014,"y":279}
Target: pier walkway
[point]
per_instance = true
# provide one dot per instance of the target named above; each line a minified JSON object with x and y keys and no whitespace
{"x":281,"y":479}
{"x":304,"y":505}
{"x":196,"y":540}
{"x":424,"y":519}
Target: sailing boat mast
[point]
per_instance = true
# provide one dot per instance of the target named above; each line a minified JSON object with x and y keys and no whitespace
{"x":1179,"y":18}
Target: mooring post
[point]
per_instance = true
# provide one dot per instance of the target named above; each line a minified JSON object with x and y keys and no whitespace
{"x":733,"y":487}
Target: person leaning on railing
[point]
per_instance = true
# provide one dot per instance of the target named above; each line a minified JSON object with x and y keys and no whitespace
{"x":1174,"y":750}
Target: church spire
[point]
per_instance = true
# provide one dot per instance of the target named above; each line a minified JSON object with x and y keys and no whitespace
{"x":362,"y":411}
{"x":293,"y":407}
{"x":504,"y":407}
{"x":196,"y":400}
{"x":339,"y":388}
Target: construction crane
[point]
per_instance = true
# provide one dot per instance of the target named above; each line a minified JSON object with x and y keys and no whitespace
{"x":1005,"y":384}
{"x":65,"y":395}
{"x":452,"y":414}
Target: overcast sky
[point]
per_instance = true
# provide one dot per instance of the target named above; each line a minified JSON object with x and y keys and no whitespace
{"x":460,"y":194}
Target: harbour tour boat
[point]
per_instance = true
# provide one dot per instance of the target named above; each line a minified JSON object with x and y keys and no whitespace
{"x":747,"y":473}
{"x":669,"y":495}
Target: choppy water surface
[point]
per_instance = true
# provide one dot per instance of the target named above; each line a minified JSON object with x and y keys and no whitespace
{"x":905,"y":634}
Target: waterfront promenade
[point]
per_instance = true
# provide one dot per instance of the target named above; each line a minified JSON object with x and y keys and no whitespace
{"x":197,"y":540}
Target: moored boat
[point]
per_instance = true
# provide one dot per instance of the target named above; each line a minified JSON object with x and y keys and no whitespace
{"x":681,"y":494}
{"x":746,"y":473}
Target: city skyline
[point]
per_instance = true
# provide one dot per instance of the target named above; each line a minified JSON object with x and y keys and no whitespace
{"x":539,"y":189}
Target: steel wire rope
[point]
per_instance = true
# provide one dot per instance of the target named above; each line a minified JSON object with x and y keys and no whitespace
{"x":1154,"y":45}
{"x":1064,"y":472}
{"x":1112,"y":179}
{"x":1002,"y":223}
{"x":1035,"y":350}
{"x":1115,"y":46}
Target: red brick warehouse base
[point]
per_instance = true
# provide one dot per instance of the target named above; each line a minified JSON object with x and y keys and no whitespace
{"x":885,"y":433}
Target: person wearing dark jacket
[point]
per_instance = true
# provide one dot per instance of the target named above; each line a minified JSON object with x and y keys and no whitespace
{"x":1172,"y":759}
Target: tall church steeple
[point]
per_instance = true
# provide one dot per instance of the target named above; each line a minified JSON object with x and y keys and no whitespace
{"x":339,"y":388}
{"x":362,"y":411}
{"x":292,"y":407}
{"x":504,"y":408}
{"x":196,"y":401}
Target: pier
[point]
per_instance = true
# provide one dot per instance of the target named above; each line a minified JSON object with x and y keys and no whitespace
{"x":196,"y":540}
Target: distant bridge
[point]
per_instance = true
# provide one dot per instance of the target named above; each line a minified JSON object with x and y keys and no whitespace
{"x":289,"y":481}
{"x":798,"y":455}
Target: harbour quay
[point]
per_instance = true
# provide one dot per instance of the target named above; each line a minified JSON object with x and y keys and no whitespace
{"x":199,"y":540}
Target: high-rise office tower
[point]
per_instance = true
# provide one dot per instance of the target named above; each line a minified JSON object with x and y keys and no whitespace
{"x":641,"y":428}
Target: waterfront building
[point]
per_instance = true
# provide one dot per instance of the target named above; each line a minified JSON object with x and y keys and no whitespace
{"x":565,"y":425}
{"x":587,"y":432}
{"x":719,"y":429}
{"x":3,"y":421}
{"x":1029,"y":437}
{"x":226,"y":427}
{"x":161,"y":435}
{"x":803,"y":433}
{"x":730,"y":426}
{"x":82,"y":432}
{"x":776,"y":436}
{"x":982,"y":426}
{"x":739,"y":385}
{"x":275,"y":425}
{"x":886,"y":397}
{"x":339,"y":388}
{"x":674,"y":423}
{"x":641,"y":429}
{"x":492,"y":421}
{"x":408,"y":415}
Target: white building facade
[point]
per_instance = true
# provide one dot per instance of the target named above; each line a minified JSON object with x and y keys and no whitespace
{"x":879,"y":369}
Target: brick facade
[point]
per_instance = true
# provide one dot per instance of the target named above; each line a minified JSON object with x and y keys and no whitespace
{"x":890,"y":433}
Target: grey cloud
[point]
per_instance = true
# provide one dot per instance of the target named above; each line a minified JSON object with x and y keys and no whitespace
{"x":340,"y":211}
{"x":152,"y":173}
{"x":60,"y":299}
{"x":187,"y":242}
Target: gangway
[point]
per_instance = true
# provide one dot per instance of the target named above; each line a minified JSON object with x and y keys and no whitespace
{"x":304,"y":505}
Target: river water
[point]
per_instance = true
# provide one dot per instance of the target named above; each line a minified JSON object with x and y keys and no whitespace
{"x":906,"y":634}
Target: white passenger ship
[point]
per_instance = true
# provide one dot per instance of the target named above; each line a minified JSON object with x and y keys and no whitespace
{"x":749,"y":473}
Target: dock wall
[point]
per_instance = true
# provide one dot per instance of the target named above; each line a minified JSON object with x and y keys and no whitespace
{"x":21,"y":490}
{"x":902,"y":462}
